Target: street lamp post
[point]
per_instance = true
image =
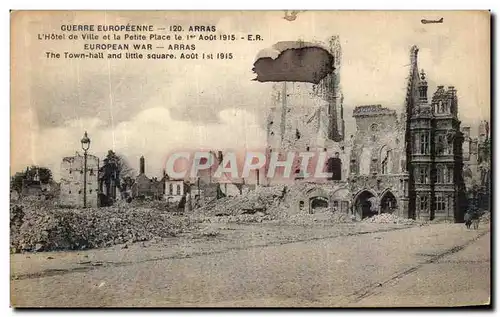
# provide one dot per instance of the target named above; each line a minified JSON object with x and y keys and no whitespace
{"x":85,"y":146}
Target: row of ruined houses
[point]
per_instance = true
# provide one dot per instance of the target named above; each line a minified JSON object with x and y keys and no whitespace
{"x":104,"y":186}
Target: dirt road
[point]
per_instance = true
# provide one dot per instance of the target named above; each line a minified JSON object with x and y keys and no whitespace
{"x":435,"y":265}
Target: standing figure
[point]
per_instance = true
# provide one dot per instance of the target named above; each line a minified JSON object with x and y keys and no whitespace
{"x":468,"y":219}
{"x":475,"y":220}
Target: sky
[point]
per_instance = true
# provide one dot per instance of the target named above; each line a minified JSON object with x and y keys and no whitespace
{"x":150,"y":108}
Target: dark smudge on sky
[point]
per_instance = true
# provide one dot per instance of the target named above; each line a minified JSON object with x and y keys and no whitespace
{"x":304,"y":64}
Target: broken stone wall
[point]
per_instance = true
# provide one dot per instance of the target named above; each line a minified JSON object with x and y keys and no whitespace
{"x":378,"y":142}
{"x":72,"y":175}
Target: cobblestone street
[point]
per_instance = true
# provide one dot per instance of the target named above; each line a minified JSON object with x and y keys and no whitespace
{"x":434,"y":265}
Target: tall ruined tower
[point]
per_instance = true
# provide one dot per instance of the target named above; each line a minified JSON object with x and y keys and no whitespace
{"x":329,"y":89}
{"x":434,"y":150}
{"x":308,"y":116}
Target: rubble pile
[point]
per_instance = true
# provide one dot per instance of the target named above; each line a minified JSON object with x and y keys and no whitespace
{"x":243,"y":218}
{"x":326,"y":217}
{"x":47,"y":229}
{"x":389,"y":218}
{"x":485,"y":217}
{"x":256,"y":202}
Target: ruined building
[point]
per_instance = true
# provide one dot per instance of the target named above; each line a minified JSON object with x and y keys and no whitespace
{"x":378,"y":179}
{"x":72,"y":175}
{"x":409,"y":164}
{"x":307,"y":115}
{"x":477,"y":165}
{"x":414,"y":165}
{"x":145,"y":187}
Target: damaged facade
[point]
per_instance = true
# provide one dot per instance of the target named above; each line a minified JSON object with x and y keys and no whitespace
{"x":407,"y":163}
{"x":72,"y":175}
{"x":377,"y":170}
{"x":305,"y":115}
{"x":477,"y":164}
{"x":145,"y":187}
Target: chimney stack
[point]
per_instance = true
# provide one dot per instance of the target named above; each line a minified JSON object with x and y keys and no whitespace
{"x":141,"y":165}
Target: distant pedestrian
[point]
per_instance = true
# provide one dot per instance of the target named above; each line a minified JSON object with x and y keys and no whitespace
{"x":468,"y":219}
{"x":475,"y":220}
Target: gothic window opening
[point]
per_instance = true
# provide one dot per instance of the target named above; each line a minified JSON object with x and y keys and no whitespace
{"x":423,"y":203}
{"x":297,"y":134}
{"x":450,"y":175}
{"x":416,"y":144}
{"x":440,"y":144}
{"x":335,"y":167}
{"x":441,"y":175}
{"x":386,"y":160}
{"x":440,"y":204}
{"x":178,"y":189}
{"x":384,"y":166}
{"x":170,"y":189}
{"x":354,"y":167}
{"x":422,"y":175}
{"x":424,"y":143}
{"x":422,"y":93}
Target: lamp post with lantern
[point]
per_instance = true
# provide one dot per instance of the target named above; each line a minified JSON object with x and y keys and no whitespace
{"x":85,"y":146}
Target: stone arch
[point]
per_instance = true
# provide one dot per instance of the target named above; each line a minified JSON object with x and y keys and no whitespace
{"x":318,"y":202}
{"x":365,"y":204}
{"x":316,"y":191}
{"x":317,"y":198}
{"x":342,"y":192}
{"x":341,"y":200}
{"x":388,"y":201}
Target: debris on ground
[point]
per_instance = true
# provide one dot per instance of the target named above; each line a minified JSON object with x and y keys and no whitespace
{"x":326,"y":217}
{"x":485,"y":217}
{"x":259,"y":200}
{"x":39,"y":228}
{"x":389,"y":218}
